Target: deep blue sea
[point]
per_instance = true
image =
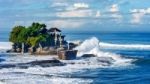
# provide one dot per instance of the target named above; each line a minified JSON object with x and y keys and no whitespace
{"x":131,"y":75}
{"x":127,"y":45}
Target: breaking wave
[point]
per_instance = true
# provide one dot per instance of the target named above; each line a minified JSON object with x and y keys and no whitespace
{"x":5,"y":45}
{"x":91,"y":46}
{"x":61,"y":73}
{"x":124,"y":46}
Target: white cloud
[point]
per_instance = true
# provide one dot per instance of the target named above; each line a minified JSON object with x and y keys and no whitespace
{"x":145,"y":11}
{"x":137,"y":17}
{"x":60,"y":23}
{"x":98,"y":14}
{"x":115,"y":12}
{"x":134,"y":11}
{"x":142,"y":11}
{"x":79,"y":13}
{"x":78,"y":10}
{"x":80,"y":5}
{"x":148,"y":10}
{"x":75,"y":13}
{"x":114,"y":8}
{"x":58,"y":4}
{"x":66,"y":23}
{"x":138,"y":14}
{"x":76,"y":6}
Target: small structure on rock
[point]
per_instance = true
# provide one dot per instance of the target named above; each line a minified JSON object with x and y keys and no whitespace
{"x":67,"y":54}
{"x":37,"y":39}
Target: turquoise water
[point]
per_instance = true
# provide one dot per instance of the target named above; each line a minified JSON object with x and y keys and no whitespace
{"x":137,"y":73}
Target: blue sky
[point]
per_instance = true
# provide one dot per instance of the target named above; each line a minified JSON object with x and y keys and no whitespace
{"x":86,"y":15}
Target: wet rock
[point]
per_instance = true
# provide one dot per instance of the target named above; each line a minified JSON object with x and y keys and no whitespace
{"x":6,"y":66}
{"x":18,"y":50}
{"x":46,"y":63}
{"x":88,"y":55}
{"x":42,"y":63}
{"x":67,"y":54}
{"x":8,"y":51}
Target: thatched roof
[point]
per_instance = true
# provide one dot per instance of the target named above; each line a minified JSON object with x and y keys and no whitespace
{"x":54,"y":29}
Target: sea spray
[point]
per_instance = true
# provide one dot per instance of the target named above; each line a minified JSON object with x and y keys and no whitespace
{"x":5,"y":45}
{"x":124,"y":46}
{"x":87,"y":46}
{"x":63,"y":74}
{"x":91,"y":46}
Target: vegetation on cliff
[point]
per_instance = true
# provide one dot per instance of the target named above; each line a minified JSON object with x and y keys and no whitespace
{"x":30,"y":37}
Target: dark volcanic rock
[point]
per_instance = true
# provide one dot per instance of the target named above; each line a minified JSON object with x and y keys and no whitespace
{"x":46,"y":63}
{"x":67,"y":54}
{"x":42,"y":63}
{"x":88,"y":55}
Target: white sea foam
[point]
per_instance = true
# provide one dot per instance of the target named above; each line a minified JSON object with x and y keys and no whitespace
{"x":2,"y":83}
{"x":24,"y":78}
{"x":60,"y":74}
{"x":5,"y":45}
{"x":124,"y":46}
{"x":91,"y":46}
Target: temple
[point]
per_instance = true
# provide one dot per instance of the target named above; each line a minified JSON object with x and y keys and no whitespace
{"x":55,"y":45}
{"x":57,"y":38}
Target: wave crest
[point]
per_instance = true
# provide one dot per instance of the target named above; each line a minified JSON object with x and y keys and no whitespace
{"x":124,"y":46}
{"x":5,"y":45}
{"x":91,"y":46}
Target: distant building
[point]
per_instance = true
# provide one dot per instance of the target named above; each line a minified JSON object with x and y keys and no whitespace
{"x":57,"y":38}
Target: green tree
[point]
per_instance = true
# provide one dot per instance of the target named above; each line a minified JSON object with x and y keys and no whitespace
{"x":22,"y":38}
{"x":36,"y":28}
{"x":15,"y":36}
{"x":33,"y":35}
{"x":15,"y":33}
{"x":36,"y":41}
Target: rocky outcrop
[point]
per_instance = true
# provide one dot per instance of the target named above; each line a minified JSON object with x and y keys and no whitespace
{"x":67,"y":54}
{"x":41,"y":63}
{"x":88,"y":55}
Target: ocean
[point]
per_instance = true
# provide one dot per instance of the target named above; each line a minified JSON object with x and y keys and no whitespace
{"x":122,"y":58}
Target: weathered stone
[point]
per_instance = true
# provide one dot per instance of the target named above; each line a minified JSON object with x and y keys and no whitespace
{"x":88,"y":55}
{"x":72,"y":45}
{"x":46,"y":48}
{"x":67,"y":54}
{"x":42,"y":63}
{"x":38,"y":50}
{"x":18,"y":50}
